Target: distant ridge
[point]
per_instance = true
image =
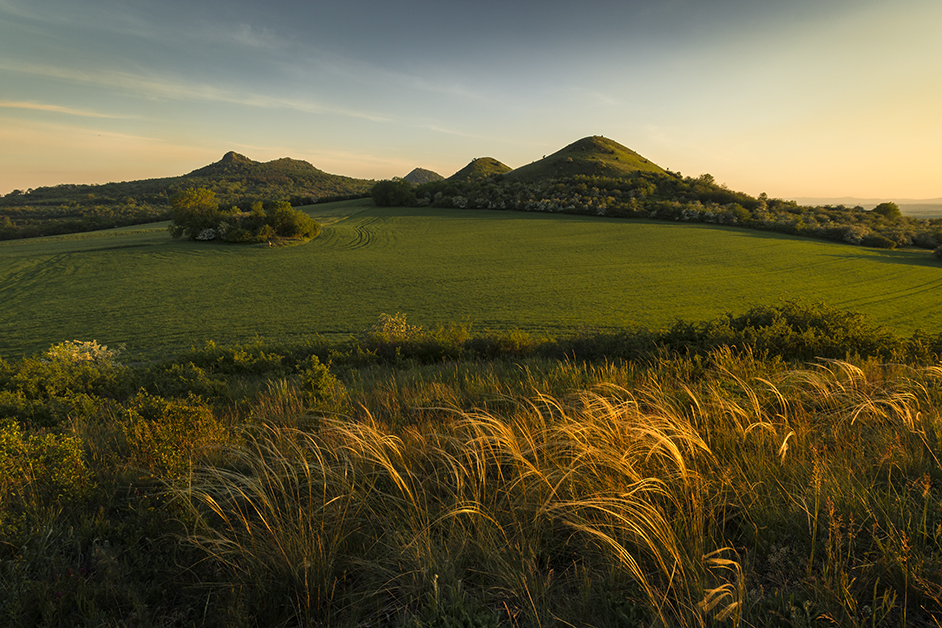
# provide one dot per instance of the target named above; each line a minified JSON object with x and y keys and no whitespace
{"x":279,"y":178}
{"x":595,"y":156}
{"x":850,"y":201}
{"x":235,"y":164}
{"x":479,"y":168}
{"x":235,"y":179}
{"x":420,"y":175}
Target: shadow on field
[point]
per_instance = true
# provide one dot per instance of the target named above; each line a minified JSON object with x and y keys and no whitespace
{"x":906,"y":257}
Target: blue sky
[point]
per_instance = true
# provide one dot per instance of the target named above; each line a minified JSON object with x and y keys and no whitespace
{"x":802,"y":98}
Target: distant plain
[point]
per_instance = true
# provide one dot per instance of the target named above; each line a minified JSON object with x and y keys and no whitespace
{"x":490,"y":269}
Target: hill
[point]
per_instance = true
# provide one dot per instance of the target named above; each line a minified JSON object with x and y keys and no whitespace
{"x":480,"y":168}
{"x":420,"y":175}
{"x":235,"y":179}
{"x":593,"y":156}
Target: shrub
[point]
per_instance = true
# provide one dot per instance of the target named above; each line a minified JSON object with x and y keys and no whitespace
{"x":316,"y":379}
{"x":78,"y":351}
{"x":877,"y":241}
{"x":37,"y":472}
{"x":793,"y":331}
{"x":163,"y":435}
{"x":182,"y":380}
{"x":288,"y":222}
{"x":249,"y":359}
{"x":68,"y":369}
{"x":888,"y":210}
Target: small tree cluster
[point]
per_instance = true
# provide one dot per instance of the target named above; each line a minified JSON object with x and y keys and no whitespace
{"x":393,"y":193}
{"x":196,"y":215}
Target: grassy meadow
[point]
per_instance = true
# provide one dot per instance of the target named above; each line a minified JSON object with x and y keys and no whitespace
{"x":488,"y":269}
{"x":510,"y":453}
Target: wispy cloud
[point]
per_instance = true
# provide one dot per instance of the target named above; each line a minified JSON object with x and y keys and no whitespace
{"x":17,"y":9}
{"x":446,"y":131}
{"x":598,"y":98}
{"x":246,"y":35}
{"x":157,"y":87}
{"x":28,"y":132}
{"x":430,"y":79}
{"x":35,"y":106}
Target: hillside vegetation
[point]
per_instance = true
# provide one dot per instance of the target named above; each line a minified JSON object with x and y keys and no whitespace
{"x":595,"y":156}
{"x":421,"y":175}
{"x":480,"y":168}
{"x":710,"y":474}
{"x":235,"y":180}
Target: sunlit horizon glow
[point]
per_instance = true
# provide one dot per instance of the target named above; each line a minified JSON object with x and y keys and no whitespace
{"x":799,"y":99}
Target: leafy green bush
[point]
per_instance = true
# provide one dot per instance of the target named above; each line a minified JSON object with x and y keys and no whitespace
{"x":183,"y":380}
{"x":290,"y":223}
{"x":316,"y":379}
{"x":248,"y":359}
{"x":878,"y":241}
{"x":165,"y":436}
{"x":37,"y":472}
{"x":792,"y":330}
{"x":69,"y":380}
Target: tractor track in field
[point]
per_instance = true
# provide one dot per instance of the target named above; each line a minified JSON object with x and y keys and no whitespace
{"x":363,"y":234}
{"x":22,"y":281}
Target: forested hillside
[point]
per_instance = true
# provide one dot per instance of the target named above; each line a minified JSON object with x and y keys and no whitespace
{"x":235,"y":180}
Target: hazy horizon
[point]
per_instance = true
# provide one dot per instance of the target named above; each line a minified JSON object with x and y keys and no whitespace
{"x":799,"y":100}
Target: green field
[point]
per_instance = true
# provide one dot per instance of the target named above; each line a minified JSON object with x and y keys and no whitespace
{"x":493,"y":270}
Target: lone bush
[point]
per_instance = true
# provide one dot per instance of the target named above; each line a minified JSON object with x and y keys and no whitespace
{"x":877,"y":241}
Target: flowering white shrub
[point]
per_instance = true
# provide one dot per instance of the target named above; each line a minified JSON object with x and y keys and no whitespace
{"x":854,"y":234}
{"x":206,"y":234}
{"x":82,"y":352}
{"x":394,"y":327}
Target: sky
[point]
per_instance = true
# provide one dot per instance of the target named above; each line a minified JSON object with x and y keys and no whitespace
{"x":804,"y":98}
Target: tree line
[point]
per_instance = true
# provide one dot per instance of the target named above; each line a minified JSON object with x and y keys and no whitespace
{"x":72,"y":208}
{"x":675,"y":198}
{"x":33,"y":221}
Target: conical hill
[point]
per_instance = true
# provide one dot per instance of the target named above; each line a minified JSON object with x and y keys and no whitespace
{"x":594,"y":156}
{"x":479,"y":168}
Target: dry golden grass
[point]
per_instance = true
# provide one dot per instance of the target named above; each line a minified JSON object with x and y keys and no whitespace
{"x":698,"y":498}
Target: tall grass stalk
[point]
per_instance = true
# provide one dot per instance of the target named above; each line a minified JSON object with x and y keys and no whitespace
{"x":518,"y":503}
{"x":702,"y":482}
